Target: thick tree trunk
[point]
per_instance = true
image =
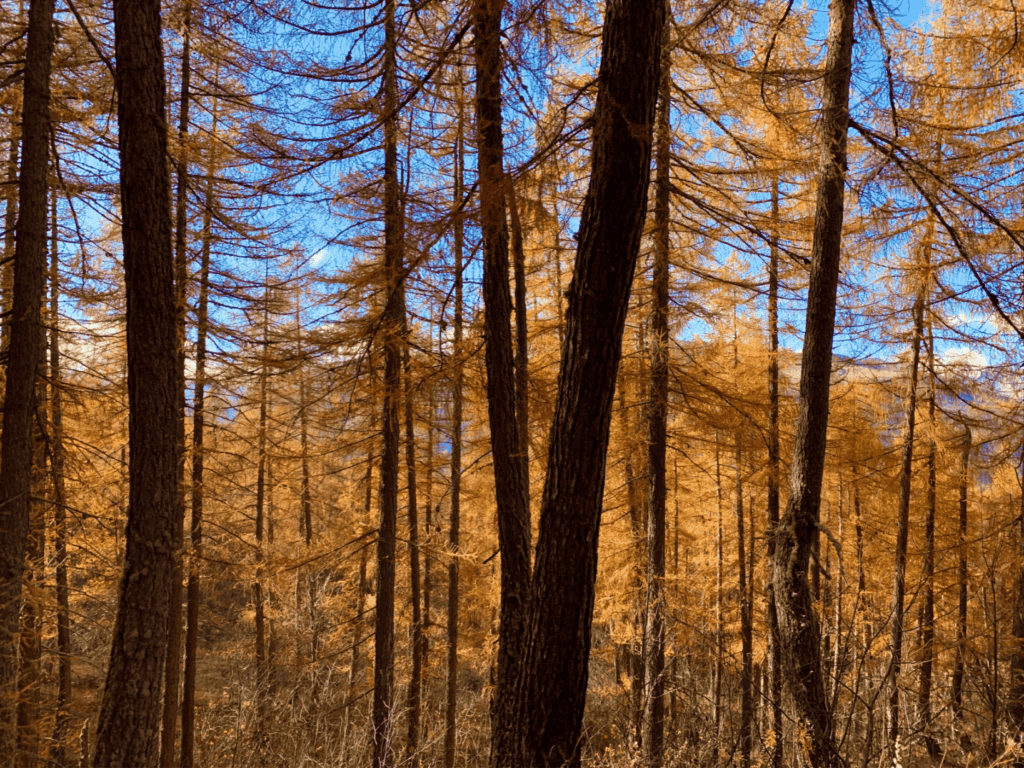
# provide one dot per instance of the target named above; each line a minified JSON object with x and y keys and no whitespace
{"x":25,"y":353}
{"x":551,"y":689}
{"x":798,"y":634}
{"x":654,"y":657}
{"x":510,"y":479}
{"x":130,"y":713}
{"x":188,"y":702}
{"x":895,"y":745}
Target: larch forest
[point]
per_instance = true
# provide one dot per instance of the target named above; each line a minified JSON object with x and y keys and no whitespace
{"x":511,"y":383}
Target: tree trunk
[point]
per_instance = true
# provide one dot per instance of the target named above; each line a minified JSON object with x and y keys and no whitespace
{"x":551,"y":690}
{"x":716,"y":696}
{"x":957,"y":692}
{"x":262,"y":665}
{"x":902,"y":532}
{"x":391,"y":328}
{"x":1016,"y":697}
{"x":25,"y":353}
{"x":654,"y":657}
{"x":746,"y":633}
{"x":522,"y":345}
{"x":10,"y":224}
{"x":924,"y":692}
{"x":451,"y":685}
{"x":511,"y":482}
{"x":172,"y":670}
{"x":774,"y":474}
{"x":416,"y":678}
{"x":62,"y":725}
{"x":130,"y":713}
{"x":188,"y":703}
{"x":798,"y":634}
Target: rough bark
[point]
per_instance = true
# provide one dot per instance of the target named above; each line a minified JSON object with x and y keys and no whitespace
{"x":522,"y":343}
{"x":551,"y":689}
{"x":774,"y":475}
{"x":25,"y":352}
{"x":510,"y":480}
{"x":415,"y":694}
{"x":798,"y":633}
{"x":654,"y":658}
{"x":130,"y":713}
{"x":391,"y":327}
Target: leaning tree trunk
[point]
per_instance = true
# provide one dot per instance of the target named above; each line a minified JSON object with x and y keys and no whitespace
{"x":798,"y":634}
{"x":130,"y":713}
{"x":25,"y":353}
{"x":551,"y":689}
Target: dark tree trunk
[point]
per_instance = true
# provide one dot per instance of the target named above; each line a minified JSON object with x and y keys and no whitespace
{"x":188,"y":703}
{"x":798,"y":634}
{"x":391,"y":328}
{"x":902,"y":533}
{"x":746,"y":631}
{"x":25,"y":352}
{"x":62,"y":724}
{"x":1016,"y":695}
{"x":654,"y":658}
{"x":258,"y":599}
{"x":415,"y":587}
{"x":172,"y":670}
{"x":550,"y":692}
{"x":957,"y":686}
{"x":774,"y":475}
{"x":511,"y":482}
{"x":924,"y":693}
{"x":130,"y":713}
{"x":522,"y":345}
{"x":10,"y":225}
{"x":451,"y":685}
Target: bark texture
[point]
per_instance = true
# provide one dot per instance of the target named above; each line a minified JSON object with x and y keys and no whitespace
{"x":130,"y":713}
{"x":25,"y":353}
{"x":550,"y":691}
{"x":797,"y":531}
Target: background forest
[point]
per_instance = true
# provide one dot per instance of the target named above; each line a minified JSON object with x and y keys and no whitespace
{"x":305,"y":138}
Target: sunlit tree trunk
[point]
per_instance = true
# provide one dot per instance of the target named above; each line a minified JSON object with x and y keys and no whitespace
{"x":902,"y":532}
{"x":188,"y":703}
{"x":130,"y":713}
{"x":798,"y":633}
{"x":25,"y":352}
{"x":957,"y":683}
{"x":654,"y":657}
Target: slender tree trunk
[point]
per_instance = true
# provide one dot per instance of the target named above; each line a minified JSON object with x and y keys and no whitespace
{"x":451,"y":686}
{"x":774,"y":474}
{"x":10,"y":226}
{"x":394,"y":317}
{"x":957,"y":692}
{"x":259,"y":603}
{"x":188,"y":703}
{"x":551,"y":690}
{"x":172,"y":670}
{"x":130,"y":713}
{"x":62,"y":725}
{"x":511,"y":482}
{"x":746,"y":633}
{"x":924,"y":693}
{"x":716,"y":701}
{"x":654,"y":657}
{"x":1016,"y":697}
{"x":418,"y":637}
{"x":25,"y":353}
{"x":902,"y":532}
{"x":798,"y":633}
{"x":522,"y":345}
